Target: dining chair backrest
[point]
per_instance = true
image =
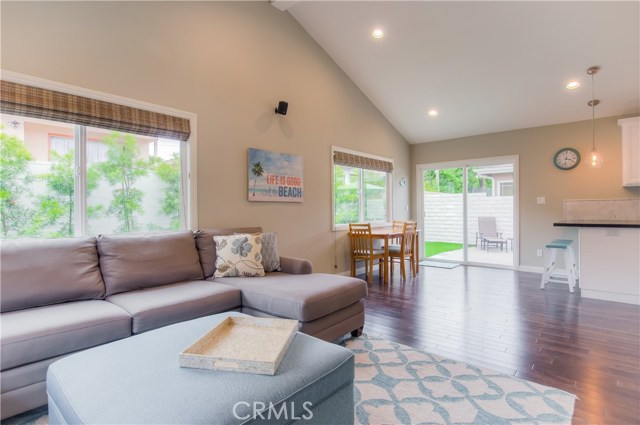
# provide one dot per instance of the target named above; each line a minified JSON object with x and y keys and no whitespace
{"x":409,"y":232}
{"x":398,"y":226}
{"x":360,"y":237}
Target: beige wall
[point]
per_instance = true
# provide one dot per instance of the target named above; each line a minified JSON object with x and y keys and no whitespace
{"x":230,"y":63}
{"x":538,"y":175}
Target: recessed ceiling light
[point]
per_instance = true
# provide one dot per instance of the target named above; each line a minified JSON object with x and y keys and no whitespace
{"x":573,"y":85}
{"x":377,"y":33}
{"x":433,"y":113}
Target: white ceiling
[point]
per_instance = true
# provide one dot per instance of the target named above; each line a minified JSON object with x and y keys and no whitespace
{"x":486,"y":66}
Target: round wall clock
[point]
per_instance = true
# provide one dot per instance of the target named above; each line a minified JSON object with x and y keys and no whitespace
{"x":566,"y":159}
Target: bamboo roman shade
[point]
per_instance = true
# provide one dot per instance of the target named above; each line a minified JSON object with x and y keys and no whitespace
{"x":357,"y":161}
{"x":35,"y":102}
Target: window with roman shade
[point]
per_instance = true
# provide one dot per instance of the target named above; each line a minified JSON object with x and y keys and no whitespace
{"x":36,"y":102}
{"x":80,"y":166}
{"x":361,"y":188}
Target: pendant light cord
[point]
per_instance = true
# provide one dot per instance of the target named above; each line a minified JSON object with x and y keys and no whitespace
{"x":593,"y":114}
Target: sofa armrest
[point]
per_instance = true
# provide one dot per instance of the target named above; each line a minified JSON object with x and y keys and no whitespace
{"x":295,"y":265}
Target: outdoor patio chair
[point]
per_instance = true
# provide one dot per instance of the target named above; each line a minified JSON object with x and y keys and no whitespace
{"x":488,"y":234}
{"x":362,"y":248}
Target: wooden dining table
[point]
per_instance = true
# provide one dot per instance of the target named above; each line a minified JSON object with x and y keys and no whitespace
{"x":386,"y":234}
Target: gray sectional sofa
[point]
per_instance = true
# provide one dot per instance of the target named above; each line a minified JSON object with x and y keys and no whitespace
{"x":60,"y":296}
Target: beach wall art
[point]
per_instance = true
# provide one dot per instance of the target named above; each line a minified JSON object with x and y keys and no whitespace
{"x":275,"y":177}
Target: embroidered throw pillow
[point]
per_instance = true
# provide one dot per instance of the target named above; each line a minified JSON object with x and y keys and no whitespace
{"x":238,"y":255}
{"x":270,"y":256}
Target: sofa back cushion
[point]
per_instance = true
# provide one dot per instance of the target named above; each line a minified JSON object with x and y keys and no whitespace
{"x":207,"y":247}
{"x":131,"y":262}
{"x":37,"y":272}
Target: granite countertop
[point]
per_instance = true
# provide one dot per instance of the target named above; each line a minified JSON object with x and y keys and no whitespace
{"x":599,"y":223}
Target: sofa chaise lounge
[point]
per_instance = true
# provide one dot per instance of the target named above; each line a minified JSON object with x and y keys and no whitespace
{"x":61,"y":296}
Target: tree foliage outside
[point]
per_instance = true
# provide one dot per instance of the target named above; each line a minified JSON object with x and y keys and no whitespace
{"x":55,"y":208}
{"x":15,"y":178}
{"x":347,"y":195}
{"x":449,"y":180}
{"x":169,"y":173}
{"x":51,"y":213}
{"x":348,"y":189}
{"x":122,"y":170}
{"x":375,"y":195}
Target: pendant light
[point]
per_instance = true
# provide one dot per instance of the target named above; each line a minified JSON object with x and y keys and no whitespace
{"x":595,"y":160}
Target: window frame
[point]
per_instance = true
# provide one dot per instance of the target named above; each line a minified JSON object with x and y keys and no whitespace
{"x":71,"y":139}
{"x":188,"y":149}
{"x":502,"y":184}
{"x":389,"y":189}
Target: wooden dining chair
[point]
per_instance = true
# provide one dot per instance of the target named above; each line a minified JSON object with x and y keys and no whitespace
{"x":362,"y":248}
{"x":397,"y":227}
{"x":405,"y":250}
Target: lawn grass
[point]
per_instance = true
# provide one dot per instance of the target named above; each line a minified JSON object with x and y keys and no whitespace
{"x":434,"y":248}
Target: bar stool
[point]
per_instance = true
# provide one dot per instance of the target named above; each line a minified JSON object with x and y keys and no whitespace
{"x":569,"y":261}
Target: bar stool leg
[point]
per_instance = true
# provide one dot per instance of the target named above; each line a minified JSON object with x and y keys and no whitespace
{"x":549,"y":267}
{"x":571,"y":277}
{"x":574,"y":266}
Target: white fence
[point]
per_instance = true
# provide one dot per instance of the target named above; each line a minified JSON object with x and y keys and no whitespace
{"x":443,"y":215}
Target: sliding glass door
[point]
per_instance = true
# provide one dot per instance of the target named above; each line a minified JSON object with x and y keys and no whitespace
{"x":468,"y":211}
{"x":443,"y":226}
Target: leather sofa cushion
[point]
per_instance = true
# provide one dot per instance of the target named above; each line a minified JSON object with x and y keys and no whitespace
{"x":207,"y":248}
{"x":37,"y":272}
{"x":44,"y":332}
{"x":301,"y":297}
{"x":163,"y":305}
{"x":132,"y":262}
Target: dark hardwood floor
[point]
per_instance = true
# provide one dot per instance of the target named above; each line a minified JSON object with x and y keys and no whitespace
{"x":500,"y":319}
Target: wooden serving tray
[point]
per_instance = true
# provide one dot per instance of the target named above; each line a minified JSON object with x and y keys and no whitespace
{"x":242,"y":344}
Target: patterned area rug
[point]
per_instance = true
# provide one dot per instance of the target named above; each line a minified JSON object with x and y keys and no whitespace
{"x":396,"y":384}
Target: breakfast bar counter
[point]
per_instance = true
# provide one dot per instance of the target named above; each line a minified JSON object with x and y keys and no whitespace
{"x":630,"y":224}
{"x":609,"y":252}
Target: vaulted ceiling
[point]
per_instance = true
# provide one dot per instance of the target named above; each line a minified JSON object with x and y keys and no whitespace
{"x":484,"y":66}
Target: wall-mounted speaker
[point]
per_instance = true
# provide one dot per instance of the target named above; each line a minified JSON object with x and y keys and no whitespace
{"x":282,"y":108}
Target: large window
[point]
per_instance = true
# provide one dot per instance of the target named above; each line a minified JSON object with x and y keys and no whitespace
{"x":72,"y":165}
{"x":63,"y":144}
{"x":361,"y":188}
{"x":63,"y":180}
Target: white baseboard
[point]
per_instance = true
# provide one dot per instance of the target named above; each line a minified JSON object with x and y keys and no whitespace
{"x":611,"y":296}
{"x":530,"y":269}
{"x":536,"y":269}
{"x":521,"y":268}
{"x":586,"y":293}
